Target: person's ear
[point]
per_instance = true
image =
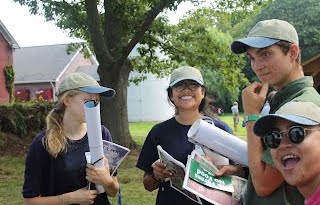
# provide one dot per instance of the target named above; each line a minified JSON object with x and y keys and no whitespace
{"x":203,"y":89}
{"x":66,"y":101}
{"x":294,"y":52}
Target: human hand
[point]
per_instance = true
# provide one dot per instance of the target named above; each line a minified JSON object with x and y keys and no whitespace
{"x":228,"y":170}
{"x":253,"y":97}
{"x":81,"y":196}
{"x":160,"y":172}
{"x":99,"y":175}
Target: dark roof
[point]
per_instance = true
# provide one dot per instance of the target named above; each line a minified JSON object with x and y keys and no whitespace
{"x":6,"y":34}
{"x":41,"y":63}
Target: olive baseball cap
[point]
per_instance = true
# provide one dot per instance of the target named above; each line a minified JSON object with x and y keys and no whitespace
{"x":303,"y":113}
{"x":185,"y":73}
{"x":266,"y":33}
{"x":85,"y":83}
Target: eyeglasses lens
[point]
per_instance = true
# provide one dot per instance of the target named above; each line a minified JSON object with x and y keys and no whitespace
{"x":296,"y":134}
{"x":273,"y":139}
{"x":193,"y":86}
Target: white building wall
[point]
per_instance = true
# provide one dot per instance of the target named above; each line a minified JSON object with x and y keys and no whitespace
{"x":148,"y":101}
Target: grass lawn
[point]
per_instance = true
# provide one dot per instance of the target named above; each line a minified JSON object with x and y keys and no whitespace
{"x":139,"y":130}
{"x":241,"y":132}
{"x":132,"y":190}
{"x":11,"y":179}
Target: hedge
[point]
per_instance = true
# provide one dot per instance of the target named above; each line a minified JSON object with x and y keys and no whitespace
{"x":23,"y":119}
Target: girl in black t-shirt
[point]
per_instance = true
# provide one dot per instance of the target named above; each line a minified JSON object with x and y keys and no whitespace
{"x":56,"y":168}
{"x":187,"y":93}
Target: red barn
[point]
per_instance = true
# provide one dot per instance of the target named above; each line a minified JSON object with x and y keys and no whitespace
{"x":7,"y":47}
{"x":39,"y":70}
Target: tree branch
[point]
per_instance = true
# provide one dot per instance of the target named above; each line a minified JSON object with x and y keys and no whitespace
{"x":163,"y":45}
{"x":149,"y":18}
{"x":103,"y":55}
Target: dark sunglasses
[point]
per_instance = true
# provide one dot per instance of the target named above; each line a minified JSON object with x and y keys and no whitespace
{"x":191,"y":85}
{"x":296,"y":135}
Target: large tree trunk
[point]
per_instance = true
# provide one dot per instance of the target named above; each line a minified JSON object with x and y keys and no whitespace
{"x":114,"y":112}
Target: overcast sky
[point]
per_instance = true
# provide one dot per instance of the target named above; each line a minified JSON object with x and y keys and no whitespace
{"x":31,"y":30}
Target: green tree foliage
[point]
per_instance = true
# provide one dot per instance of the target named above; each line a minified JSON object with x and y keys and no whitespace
{"x":113,"y":29}
{"x":303,"y":15}
{"x":232,"y":13}
{"x":239,"y":22}
{"x":198,"y":42}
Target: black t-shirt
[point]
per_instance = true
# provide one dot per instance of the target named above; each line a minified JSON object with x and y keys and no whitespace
{"x":49,"y":176}
{"x":172,"y":137}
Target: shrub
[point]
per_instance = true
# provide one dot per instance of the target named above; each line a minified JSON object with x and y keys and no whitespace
{"x":24,"y":118}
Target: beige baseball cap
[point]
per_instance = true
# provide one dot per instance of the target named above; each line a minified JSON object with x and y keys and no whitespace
{"x":266,"y":33}
{"x":186,"y":73}
{"x":303,"y":113}
{"x":85,"y":83}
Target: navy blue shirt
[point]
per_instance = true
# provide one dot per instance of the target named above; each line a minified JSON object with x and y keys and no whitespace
{"x":172,"y":137}
{"x":49,"y":176}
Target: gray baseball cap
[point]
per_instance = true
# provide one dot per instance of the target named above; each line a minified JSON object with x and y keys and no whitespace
{"x":303,"y":113}
{"x":186,"y":73}
{"x":85,"y":83}
{"x":266,"y":33}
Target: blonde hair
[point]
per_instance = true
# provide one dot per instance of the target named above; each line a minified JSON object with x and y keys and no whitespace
{"x":55,"y":140}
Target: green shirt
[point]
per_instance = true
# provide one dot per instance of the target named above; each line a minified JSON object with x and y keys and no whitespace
{"x":298,"y":90}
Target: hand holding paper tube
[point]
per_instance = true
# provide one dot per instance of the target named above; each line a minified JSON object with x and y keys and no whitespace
{"x":92,"y":114}
{"x":219,"y":141}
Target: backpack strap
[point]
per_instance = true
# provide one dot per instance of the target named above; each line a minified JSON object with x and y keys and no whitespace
{"x":119,"y":196}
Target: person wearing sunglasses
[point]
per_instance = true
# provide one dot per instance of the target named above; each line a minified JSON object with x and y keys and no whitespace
{"x":272,"y":47}
{"x":187,"y":94}
{"x":293,"y":136}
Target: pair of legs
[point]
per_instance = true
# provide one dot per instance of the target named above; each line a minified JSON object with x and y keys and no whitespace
{"x":235,"y":122}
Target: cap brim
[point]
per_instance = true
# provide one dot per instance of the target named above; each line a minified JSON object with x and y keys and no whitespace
{"x":241,"y":45}
{"x":181,"y":79}
{"x":264,"y":124}
{"x":103,"y":91}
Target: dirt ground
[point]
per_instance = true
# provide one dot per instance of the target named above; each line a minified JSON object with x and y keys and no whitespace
{"x":11,"y":145}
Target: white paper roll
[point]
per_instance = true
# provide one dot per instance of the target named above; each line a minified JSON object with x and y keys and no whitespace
{"x":92,"y":114}
{"x":219,"y":141}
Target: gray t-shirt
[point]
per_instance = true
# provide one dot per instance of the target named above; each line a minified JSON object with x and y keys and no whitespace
{"x":235,"y":110}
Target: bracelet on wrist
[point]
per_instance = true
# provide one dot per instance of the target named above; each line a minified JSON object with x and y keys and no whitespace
{"x":251,"y":118}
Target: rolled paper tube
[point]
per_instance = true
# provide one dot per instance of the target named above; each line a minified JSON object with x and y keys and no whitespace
{"x":219,"y":141}
{"x":92,"y":114}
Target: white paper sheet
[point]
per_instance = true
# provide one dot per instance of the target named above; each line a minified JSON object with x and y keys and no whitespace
{"x":92,"y":114}
{"x":215,"y":190}
{"x":219,"y":141}
{"x":178,"y":169}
